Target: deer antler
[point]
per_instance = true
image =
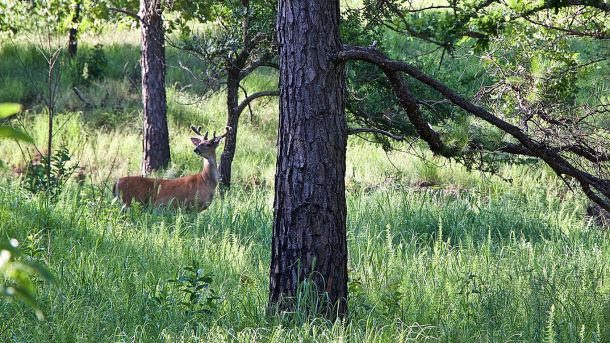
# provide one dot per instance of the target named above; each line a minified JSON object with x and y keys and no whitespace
{"x":196,"y":129}
{"x":227,"y":130}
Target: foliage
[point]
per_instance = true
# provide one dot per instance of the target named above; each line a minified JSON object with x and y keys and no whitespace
{"x":20,"y":269}
{"x":35,"y":178}
{"x":7,"y":110}
{"x":94,"y":64}
{"x":451,"y":24}
{"x":190,"y":291}
{"x":43,"y":16}
{"x":18,"y":274}
{"x":56,"y":16}
{"x":237,"y":38}
{"x":531,"y":55}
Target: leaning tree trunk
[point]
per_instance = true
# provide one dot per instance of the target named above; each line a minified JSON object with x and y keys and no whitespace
{"x":156,"y":137}
{"x":309,"y":239}
{"x":72,"y":38}
{"x":226,"y":158}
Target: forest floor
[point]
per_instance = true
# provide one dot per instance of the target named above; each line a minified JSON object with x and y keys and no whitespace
{"x":436,"y":253}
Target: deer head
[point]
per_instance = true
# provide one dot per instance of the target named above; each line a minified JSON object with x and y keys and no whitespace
{"x":205,"y":147}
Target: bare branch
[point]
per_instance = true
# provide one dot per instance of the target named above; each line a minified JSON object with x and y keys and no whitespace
{"x":570,"y":32}
{"x":81,"y":97}
{"x":263,"y":62}
{"x":353,"y":131}
{"x":253,"y":97}
{"x":128,"y":13}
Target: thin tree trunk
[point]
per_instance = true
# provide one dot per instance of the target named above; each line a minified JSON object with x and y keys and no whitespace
{"x":309,"y":238}
{"x":72,"y":38}
{"x":226,"y":158}
{"x":156,"y":138}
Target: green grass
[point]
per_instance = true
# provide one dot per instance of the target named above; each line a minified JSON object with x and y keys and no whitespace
{"x":471,"y":259}
{"x":475,"y":267}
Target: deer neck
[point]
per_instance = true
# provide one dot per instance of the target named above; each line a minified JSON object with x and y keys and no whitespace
{"x":210,"y":171}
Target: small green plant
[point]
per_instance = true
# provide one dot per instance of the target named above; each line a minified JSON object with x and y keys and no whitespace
{"x":17,"y":271}
{"x":94,"y":64}
{"x":190,"y":292}
{"x":36,"y":179}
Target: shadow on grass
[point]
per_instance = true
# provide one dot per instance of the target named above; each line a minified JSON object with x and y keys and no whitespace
{"x":108,"y":79}
{"x":464,"y":217}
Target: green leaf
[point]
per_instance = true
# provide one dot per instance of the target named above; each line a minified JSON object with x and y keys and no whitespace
{"x":9,"y":109}
{"x":9,"y":132}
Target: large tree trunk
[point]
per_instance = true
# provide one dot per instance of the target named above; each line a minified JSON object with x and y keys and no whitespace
{"x":72,"y":38}
{"x":156,"y":137}
{"x":226,"y":158}
{"x":309,"y":239}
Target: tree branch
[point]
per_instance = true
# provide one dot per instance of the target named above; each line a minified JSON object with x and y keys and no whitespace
{"x":423,"y":128}
{"x":570,"y":32}
{"x":262,"y":62}
{"x":81,"y":97}
{"x":353,"y":131}
{"x":128,"y":13}
{"x":253,"y":97}
{"x":552,"y":158}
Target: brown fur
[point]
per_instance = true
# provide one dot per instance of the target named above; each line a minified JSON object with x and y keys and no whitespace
{"x":190,"y":191}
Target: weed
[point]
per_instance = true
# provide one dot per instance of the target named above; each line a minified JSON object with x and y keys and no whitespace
{"x":38,"y":179}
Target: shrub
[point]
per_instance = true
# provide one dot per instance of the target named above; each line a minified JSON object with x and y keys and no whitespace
{"x":36,"y":179}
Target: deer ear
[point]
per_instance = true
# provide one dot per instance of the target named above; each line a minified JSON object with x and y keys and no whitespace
{"x":195,"y":141}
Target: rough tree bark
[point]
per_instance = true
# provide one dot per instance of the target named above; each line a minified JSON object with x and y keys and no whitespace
{"x":156,"y":152}
{"x":226,"y":158}
{"x":309,"y":237}
{"x":72,"y":36}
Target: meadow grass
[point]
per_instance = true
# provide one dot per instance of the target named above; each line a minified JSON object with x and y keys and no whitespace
{"x":472,"y":258}
{"x":423,"y":266}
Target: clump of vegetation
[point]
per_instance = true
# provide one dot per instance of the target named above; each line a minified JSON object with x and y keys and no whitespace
{"x":191,"y":292}
{"x":18,"y":266}
{"x":93,"y":64}
{"x":37,"y":179}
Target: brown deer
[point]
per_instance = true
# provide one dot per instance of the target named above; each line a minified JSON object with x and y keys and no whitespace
{"x":193,"y":191}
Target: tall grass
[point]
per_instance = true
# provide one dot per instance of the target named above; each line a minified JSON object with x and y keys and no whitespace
{"x":423,"y":266}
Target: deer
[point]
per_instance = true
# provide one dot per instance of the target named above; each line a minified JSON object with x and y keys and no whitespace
{"x":193,"y":191}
